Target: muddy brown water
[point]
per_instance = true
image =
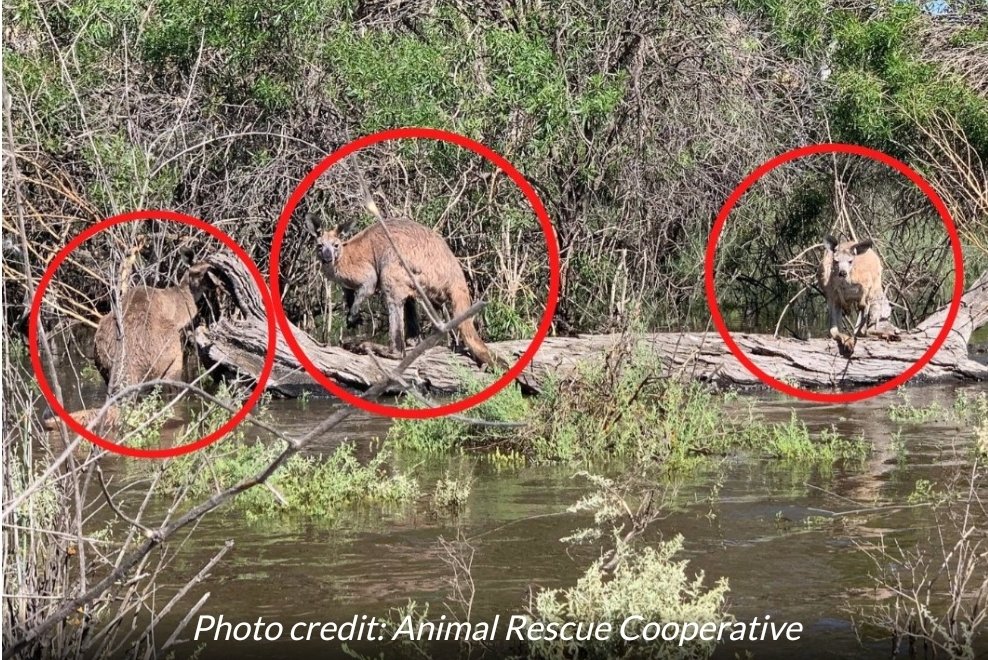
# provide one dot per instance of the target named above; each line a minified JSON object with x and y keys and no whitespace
{"x":742,"y":518}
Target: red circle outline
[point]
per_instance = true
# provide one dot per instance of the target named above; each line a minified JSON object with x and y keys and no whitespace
{"x":134,"y":216}
{"x":462,"y":142}
{"x":857,"y":150}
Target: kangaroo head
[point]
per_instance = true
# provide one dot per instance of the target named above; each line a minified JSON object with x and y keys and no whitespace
{"x":197,"y":278}
{"x":330,"y":246}
{"x":329,"y":242}
{"x":843,"y":254}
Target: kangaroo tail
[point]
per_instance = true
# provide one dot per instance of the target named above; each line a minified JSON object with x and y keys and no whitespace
{"x":468,"y":330}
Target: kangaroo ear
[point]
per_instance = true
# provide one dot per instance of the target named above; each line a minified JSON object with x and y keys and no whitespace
{"x":312,"y":222}
{"x":344,"y":227}
{"x":200,"y":275}
{"x":830,"y":243}
{"x":862,"y":246}
{"x":188,"y":254}
{"x":198,"y":271}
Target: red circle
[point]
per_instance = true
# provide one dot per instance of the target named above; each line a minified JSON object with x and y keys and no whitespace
{"x":169,"y":216}
{"x":533,"y":200}
{"x":856,"y":150}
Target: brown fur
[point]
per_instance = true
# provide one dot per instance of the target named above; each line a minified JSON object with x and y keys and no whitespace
{"x":367,"y":263}
{"x":153,"y":322}
{"x":851,"y":277}
{"x":87,"y":418}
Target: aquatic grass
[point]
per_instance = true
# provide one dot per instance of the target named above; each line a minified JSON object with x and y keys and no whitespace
{"x":507,"y":460}
{"x":624,"y":408}
{"x":90,"y":373}
{"x":904,"y":412}
{"x":925,"y":491}
{"x":451,"y":493}
{"x":631,"y":577}
{"x":627,"y":408}
{"x":972,"y":406}
{"x":794,"y":442}
{"x":973,"y":409}
{"x":447,"y":434}
{"x":643,"y":417}
{"x":305,"y":485}
{"x":969,"y":408}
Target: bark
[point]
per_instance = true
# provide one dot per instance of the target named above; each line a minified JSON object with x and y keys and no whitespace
{"x":237,"y":340}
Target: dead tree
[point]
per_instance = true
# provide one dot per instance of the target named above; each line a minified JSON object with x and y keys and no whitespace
{"x":238,"y":339}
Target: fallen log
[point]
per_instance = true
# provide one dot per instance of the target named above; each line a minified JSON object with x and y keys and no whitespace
{"x":238,"y":339}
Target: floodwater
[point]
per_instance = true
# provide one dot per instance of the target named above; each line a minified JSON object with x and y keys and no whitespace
{"x":752,"y":521}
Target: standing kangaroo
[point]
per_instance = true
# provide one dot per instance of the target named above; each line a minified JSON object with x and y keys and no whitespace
{"x":147,"y":345}
{"x":851,"y":277}
{"x":367,"y":263}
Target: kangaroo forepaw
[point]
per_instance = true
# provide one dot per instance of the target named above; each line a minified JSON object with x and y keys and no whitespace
{"x":845,"y":344}
{"x":373,"y":348}
{"x":354,"y":321}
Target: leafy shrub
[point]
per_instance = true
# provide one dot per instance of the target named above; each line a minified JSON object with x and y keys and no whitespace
{"x":648,"y":583}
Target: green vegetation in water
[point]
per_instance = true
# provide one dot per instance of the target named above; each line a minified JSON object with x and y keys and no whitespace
{"x":304,"y":485}
{"x":142,"y":420}
{"x":90,"y":373}
{"x":899,"y":445}
{"x":649,"y":582}
{"x":505,"y":460}
{"x":970,"y":410}
{"x":817,"y":522}
{"x":973,"y":409}
{"x":925,"y":491}
{"x":794,"y":442}
{"x":625,"y":409}
{"x":451,"y":493}
{"x":447,"y":434}
{"x":904,"y":412}
{"x":630,"y":578}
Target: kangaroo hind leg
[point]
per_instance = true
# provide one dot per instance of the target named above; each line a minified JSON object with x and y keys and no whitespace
{"x":412,"y":329}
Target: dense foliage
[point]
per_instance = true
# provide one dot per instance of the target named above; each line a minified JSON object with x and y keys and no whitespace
{"x":633,"y":120}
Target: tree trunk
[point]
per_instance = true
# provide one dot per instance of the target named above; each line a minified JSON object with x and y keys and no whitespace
{"x":237,"y":341}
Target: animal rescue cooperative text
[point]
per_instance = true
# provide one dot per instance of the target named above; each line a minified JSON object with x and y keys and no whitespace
{"x":501,"y":628}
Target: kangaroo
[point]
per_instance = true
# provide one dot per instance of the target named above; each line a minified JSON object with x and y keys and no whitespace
{"x":851,"y":277}
{"x":148,"y":343}
{"x":368,"y":262}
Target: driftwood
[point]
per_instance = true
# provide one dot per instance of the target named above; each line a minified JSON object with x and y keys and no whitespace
{"x":237,"y":341}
